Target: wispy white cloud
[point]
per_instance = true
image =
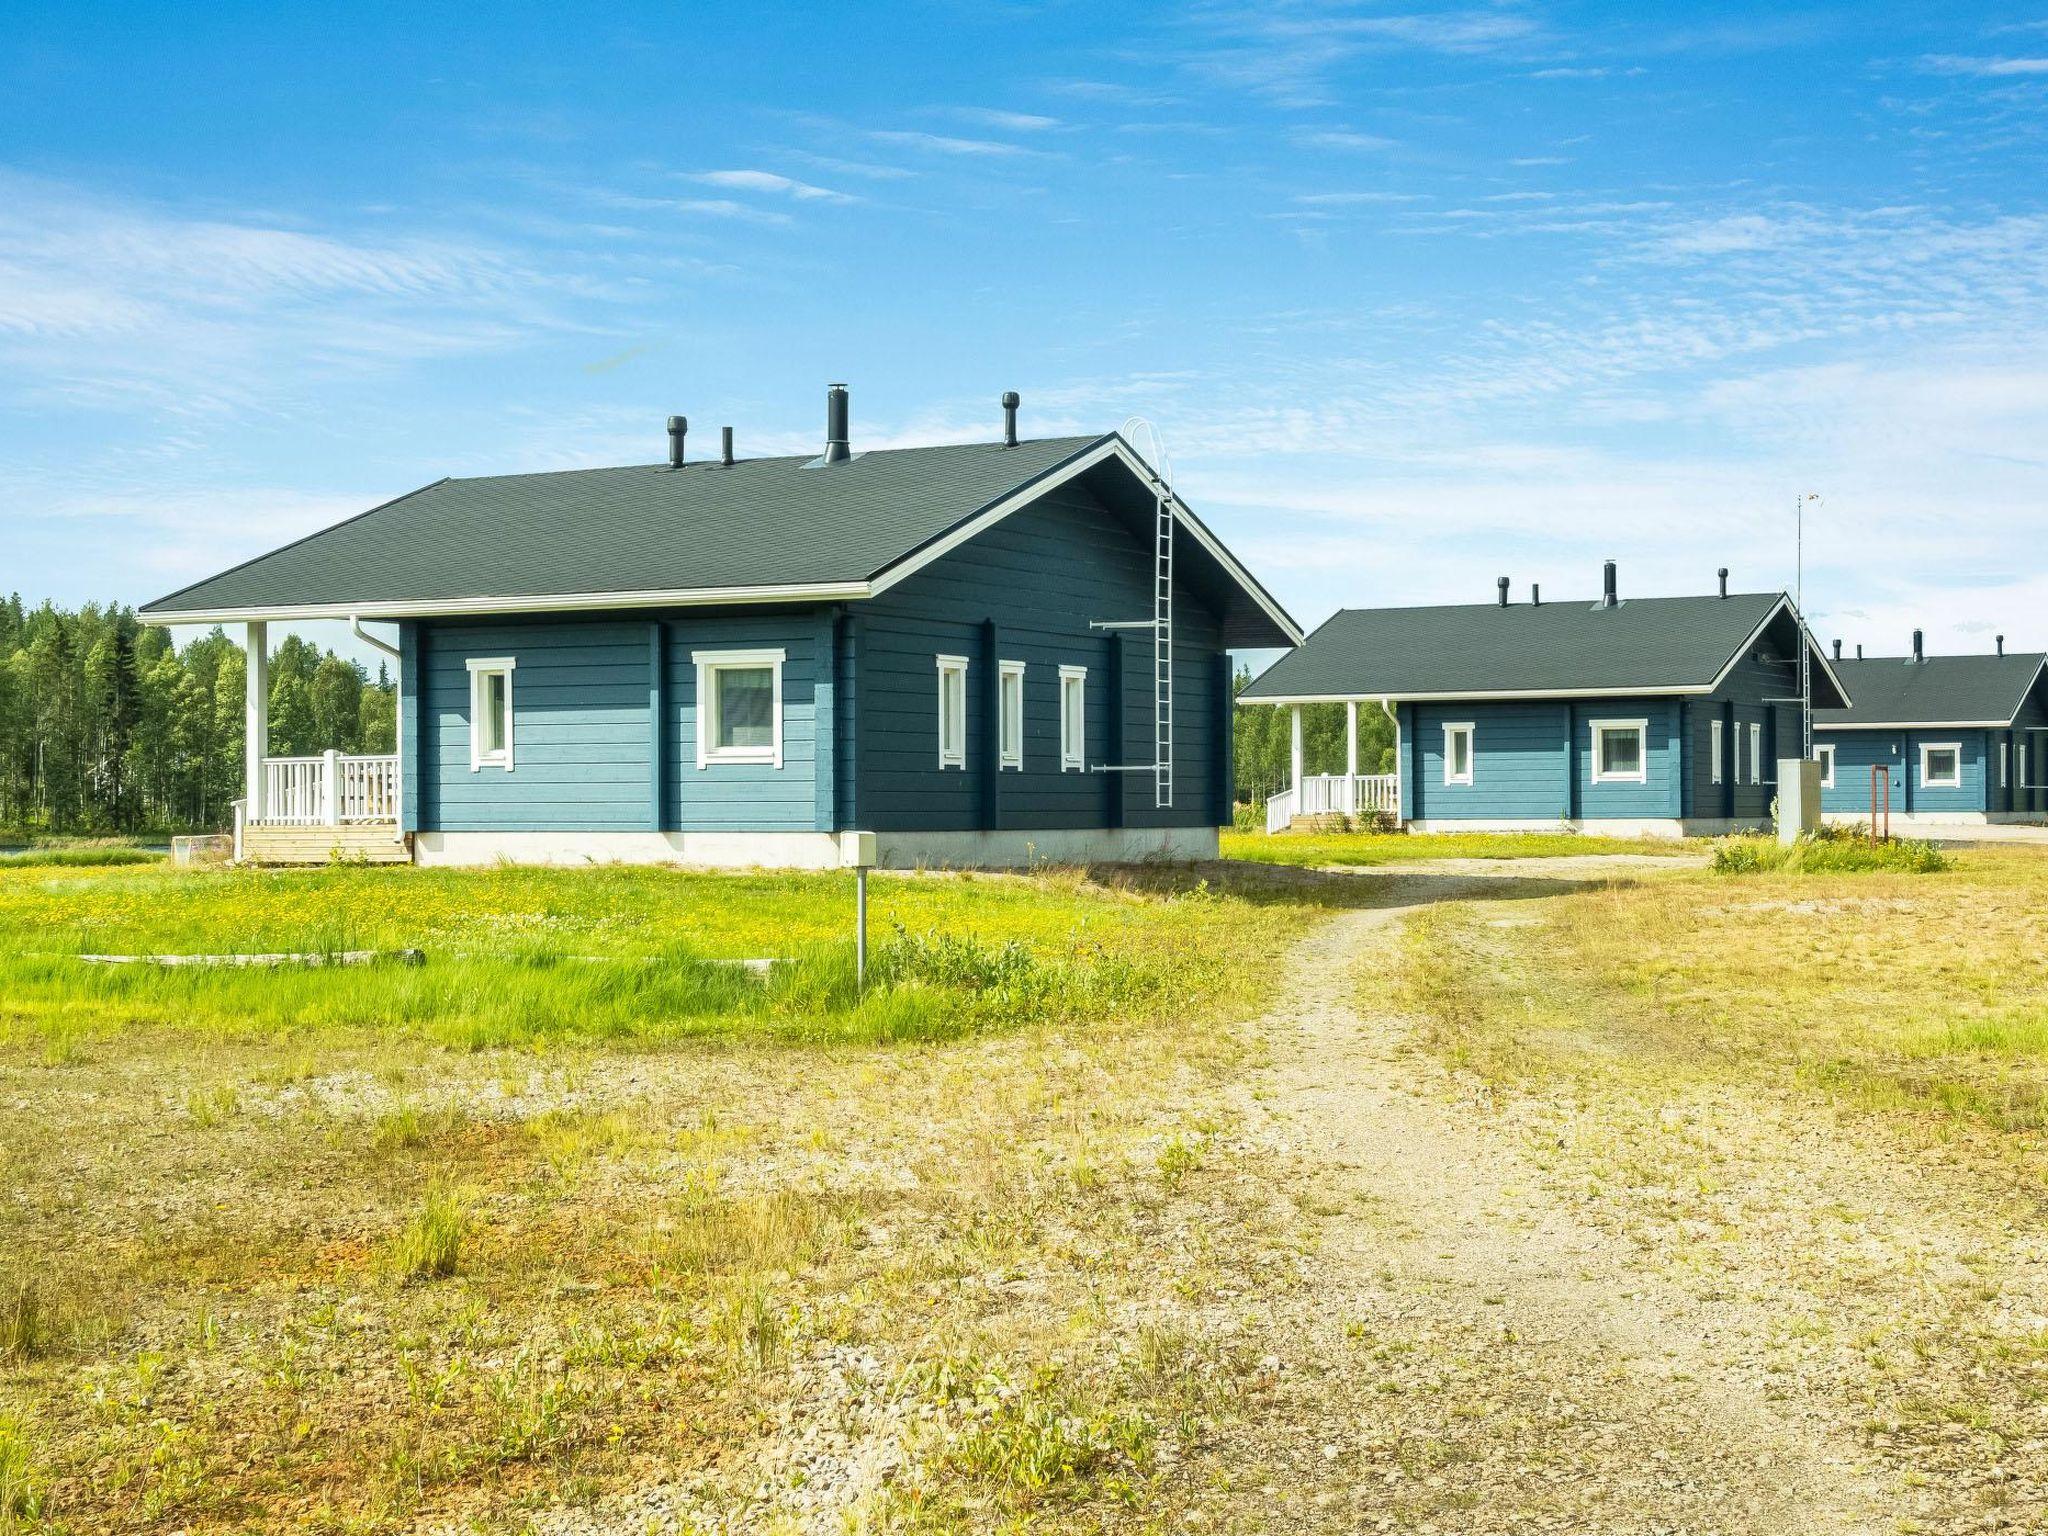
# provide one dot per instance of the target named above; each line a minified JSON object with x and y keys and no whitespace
{"x":1288,"y":51}
{"x":1007,"y":122}
{"x":946,"y":144}
{"x":1350,"y":199}
{"x":1339,"y":138}
{"x":771,"y":182}
{"x":1959,"y":64}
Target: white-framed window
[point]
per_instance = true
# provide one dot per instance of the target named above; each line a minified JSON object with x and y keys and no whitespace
{"x":1458,"y":753}
{"x":2004,"y":764}
{"x":1756,"y":752}
{"x":1825,"y":756}
{"x":1714,"y":749}
{"x":952,"y":711}
{"x":1941,"y":765}
{"x":1010,"y":681}
{"x":1620,"y":754}
{"x":739,"y":707}
{"x":2020,"y":763}
{"x":490,"y":712}
{"x":1073,"y":719}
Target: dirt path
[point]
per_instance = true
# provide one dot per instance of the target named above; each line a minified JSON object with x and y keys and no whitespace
{"x":1466,"y":1353}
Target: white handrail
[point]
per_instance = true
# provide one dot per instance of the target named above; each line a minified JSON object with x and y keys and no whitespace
{"x":1280,"y":811}
{"x":1335,"y":794}
{"x":331,"y":790}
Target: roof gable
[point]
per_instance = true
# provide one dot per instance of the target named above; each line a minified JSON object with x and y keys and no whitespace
{"x":1938,"y":691}
{"x":1655,"y":645}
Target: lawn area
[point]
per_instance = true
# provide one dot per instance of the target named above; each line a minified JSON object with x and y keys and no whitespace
{"x":1328,"y":850}
{"x":1818,"y":1100}
{"x":569,"y":1208}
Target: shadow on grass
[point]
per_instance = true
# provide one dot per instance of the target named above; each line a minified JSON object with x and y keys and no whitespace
{"x":1359,"y":889}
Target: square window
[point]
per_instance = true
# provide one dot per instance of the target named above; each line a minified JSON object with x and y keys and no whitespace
{"x":1073,"y":719}
{"x":739,"y":707}
{"x":1458,"y":754}
{"x":1011,"y":679}
{"x":490,"y":713}
{"x":1941,"y":766}
{"x":1618,"y":752}
{"x":952,"y":711}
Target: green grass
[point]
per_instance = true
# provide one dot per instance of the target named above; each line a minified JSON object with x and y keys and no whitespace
{"x":1335,"y":849}
{"x":516,"y":956}
{"x":78,"y":858}
{"x":1828,"y":852}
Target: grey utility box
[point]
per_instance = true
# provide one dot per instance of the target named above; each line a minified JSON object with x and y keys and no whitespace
{"x":1798,"y":798}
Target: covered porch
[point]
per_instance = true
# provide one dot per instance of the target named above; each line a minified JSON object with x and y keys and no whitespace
{"x":1349,"y":794}
{"x":315,"y":808}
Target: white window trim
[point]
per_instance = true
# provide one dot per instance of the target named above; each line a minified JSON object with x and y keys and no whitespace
{"x":481,"y":667}
{"x":2004,"y":765}
{"x":1715,"y":749}
{"x":1941,"y":746}
{"x":1824,"y":753}
{"x":1459,"y":728}
{"x":1011,"y":752}
{"x":1074,"y":752}
{"x":1756,"y":752}
{"x":1642,"y":730}
{"x":709,"y":665}
{"x":949,"y":667}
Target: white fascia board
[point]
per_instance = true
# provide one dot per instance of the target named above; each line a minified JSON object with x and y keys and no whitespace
{"x":1111,"y":447}
{"x":1918,"y":725}
{"x":1378,"y":696}
{"x":1783,"y":604}
{"x":457,"y":607}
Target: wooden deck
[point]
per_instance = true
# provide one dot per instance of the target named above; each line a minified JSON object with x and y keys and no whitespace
{"x":356,"y":843}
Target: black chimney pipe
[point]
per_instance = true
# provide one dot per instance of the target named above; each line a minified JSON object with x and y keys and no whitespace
{"x":1838,"y":650}
{"x":1503,"y":585}
{"x":678,"y":429}
{"x":1918,"y":655}
{"x":725,"y":446}
{"x":1011,"y":400}
{"x":837,"y":450}
{"x":1607,"y":592}
{"x":1535,"y":595}
{"x":1859,"y":650}
{"x":2001,"y":645}
{"x":1723,"y":573}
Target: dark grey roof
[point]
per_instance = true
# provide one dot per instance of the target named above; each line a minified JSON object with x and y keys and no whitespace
{"x":1941,"y":690}
{"x":1642,"y":645}
{"x":646,"y":530}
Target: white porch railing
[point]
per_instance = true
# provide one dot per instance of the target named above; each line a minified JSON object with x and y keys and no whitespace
{"x":329,"y":791}
{"x":1335,"y":794}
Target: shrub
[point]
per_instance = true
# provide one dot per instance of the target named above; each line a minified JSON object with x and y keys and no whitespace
{"x":1829,"y":851}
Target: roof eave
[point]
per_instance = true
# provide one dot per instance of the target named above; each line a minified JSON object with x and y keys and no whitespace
{"x":458,"y":607}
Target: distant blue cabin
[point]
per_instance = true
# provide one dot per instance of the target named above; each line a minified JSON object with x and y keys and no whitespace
{"x":1653,"y":715}
{"x":740,"y":662}
{"x":1937,"y":740}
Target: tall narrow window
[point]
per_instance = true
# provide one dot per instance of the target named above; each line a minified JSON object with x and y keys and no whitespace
{"x":1618,"y":753}
{"x":952,"y":711}
{"x":1073,"y":719}
{"x":1714,"y":749}
{"x":739,"y":707}
{"x":2004,"y":764}
{"x":1825,"y":756}
{"x":1458,"y":754}
{"x":490,"y":713}
{"x":1011,"y":678}
{"x":1756,"y":752}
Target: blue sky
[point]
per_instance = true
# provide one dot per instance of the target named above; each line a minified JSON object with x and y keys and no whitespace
{"x":1416,"y":296}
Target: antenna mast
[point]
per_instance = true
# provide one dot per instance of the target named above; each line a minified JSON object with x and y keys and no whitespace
{"x":1159,"y":471}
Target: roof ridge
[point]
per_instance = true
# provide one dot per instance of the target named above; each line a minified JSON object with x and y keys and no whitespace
{"x":770,"y":458}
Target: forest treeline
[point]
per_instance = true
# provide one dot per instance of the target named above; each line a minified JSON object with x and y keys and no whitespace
{"x":106,"y":726}
{"x":1263,"y":744}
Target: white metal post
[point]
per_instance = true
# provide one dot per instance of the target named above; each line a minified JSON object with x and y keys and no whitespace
{"x":256,"y":720}
{"x":330,"y":787}
{"x":1294,"y":756}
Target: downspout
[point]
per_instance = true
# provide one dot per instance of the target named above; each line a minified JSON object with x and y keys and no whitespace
{"x":355,"y":627}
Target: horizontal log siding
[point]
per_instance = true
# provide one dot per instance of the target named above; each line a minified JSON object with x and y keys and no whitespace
{"x":747,"y":797}
{"x":1041,"y":575}
{"x":580,"y":742}
{"x":1751,"y":694}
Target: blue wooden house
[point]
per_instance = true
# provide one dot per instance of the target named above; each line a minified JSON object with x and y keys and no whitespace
{"x":984,"y":654}
{"x":1944,"y":739}
{"x":1662,"y":715}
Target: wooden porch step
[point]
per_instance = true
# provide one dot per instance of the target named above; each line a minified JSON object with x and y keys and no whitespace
{"x":363,"y":843}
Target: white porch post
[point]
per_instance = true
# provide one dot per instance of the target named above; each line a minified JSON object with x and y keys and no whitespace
{"x":1294,"y":754}
{"x":256,"y":719}
{"x":330,"y":788}
{"x":1351,"y":738}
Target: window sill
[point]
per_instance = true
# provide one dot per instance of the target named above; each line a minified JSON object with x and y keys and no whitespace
{"x":762,"y":759}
